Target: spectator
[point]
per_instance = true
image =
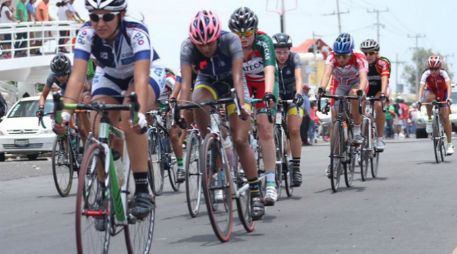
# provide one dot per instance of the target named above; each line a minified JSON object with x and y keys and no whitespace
{"x":42,"y":15}
{"x":31,"y":9}
{"x":390,"y":112}
{"x":313,"y":123}
{"x":6,"y":16}
{"x":75,"y":13}
{"x":306,"y":118}
{"x":64,"y":14}
{"x":413,"y":113}
{"x":404,"y":117}
{"x":21,"y":16}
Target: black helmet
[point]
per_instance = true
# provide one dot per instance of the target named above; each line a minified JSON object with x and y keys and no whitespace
{"x":106,"y":5}
{"x":243,"y":19}
{"x":281,"y":40}
{"x":61,"y":65}
{"x":369,"y":45}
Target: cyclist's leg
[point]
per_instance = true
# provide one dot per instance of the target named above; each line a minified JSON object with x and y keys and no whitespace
{"x":356,"y":116}
{"x":176,"y":143}
{"x":294,"y":120}
{"x":84,"y":121}
{"x":380,"y":122}
{"x":429,"y":97}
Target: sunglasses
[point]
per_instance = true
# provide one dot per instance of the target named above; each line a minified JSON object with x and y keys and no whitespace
{"x":245,"y":34}
{"x":343,"y":55}
{"x":107,"y":17}
{"x":371,"y":53}
{"x":434,"y":69}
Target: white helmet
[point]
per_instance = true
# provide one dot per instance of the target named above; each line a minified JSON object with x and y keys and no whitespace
{"x":106,"y":5}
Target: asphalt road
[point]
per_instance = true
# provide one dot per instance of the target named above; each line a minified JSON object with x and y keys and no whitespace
{"x":411,"y":208}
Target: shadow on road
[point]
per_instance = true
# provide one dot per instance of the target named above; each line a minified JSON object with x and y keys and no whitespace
{"x":354,"y":188}
{"x":211,"y":239}
{"x":56,"y":196}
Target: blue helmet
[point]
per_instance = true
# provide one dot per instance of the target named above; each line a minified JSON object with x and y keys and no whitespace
{"x":344,"y":44}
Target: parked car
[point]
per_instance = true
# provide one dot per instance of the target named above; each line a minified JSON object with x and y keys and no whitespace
{"x":20,"y":132}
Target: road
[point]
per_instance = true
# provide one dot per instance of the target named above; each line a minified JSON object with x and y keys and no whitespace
{"x":411,"y":208}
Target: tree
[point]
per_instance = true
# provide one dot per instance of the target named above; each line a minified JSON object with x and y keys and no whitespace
{"x":412,"y":72}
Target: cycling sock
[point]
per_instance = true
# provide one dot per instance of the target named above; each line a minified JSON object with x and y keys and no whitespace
{"x":254,"y":187}
{"x":141,"y":182}
{"x":271,"y":179}
{"x":295,"y":163}
{"x":180,"y":163}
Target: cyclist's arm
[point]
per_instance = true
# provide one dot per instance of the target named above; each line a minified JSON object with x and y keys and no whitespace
{"x":44,"y":95}
{"x":186,"y":75}
{"x":384,"y":84}
{"x":141,"y":77}
{"x":422,"y":84}
{"x":237,"y":66}
{"x":327,"y":75}
{"x":76,"y":81}
{"x":269,"y":78}
{"x":176,"y":89}
{"x":298,"y":81}
{"x":363,"y":80}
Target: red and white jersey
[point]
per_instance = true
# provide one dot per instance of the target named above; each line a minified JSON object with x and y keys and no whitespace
{"x":435,"y":83}
{"x":348,"y":75}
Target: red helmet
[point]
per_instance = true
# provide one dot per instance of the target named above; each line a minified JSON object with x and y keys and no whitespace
{"x":434,"y":62}
{"x":204,"y":28}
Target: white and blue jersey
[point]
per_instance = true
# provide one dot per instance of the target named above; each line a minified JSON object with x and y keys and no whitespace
{"x":115,"y":62}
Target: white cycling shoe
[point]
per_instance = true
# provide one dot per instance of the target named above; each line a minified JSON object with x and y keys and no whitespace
{"x":271,"y":196}
{"x":429,"y":126}
{"x":450,"y":149}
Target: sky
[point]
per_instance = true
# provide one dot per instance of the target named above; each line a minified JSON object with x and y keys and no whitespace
{"x":168,"y":23}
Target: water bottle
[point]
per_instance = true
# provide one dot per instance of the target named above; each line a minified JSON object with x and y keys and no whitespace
{"x":227,"y":144}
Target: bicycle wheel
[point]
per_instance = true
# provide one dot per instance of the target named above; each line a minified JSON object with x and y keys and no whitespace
{"x":168,"y":163}
{"x":365,"y":151}
{"x":62,"y":166}
{"x":193,"y":174}
{"x":216,"y":188}
{"x":442,"y":141}
{"x":374,"y":162}
{"x":350,"y":169}
{"x":93,"y":205}
{"x":337,"y":147}
{"x":138,"y":233}
{"x":243,"y":201}
{"x":278,"y":169}
{"x":156,"y":174}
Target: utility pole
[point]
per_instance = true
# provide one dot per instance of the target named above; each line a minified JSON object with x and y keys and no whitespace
{"x":338,"y":14}
{"x":281,"y":10}
{"x":417,"y":36}
{"x":378,"y":24}
{"x":397,"y":62}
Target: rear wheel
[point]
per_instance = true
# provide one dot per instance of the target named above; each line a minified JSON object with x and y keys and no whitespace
{"x":62,"y":169}
{"x":193,"y":174}
{"x":216,"y":188}
{"x":93,"y":205}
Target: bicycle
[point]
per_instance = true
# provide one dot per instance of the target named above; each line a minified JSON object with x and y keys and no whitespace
{"x":438,"y":136}
{"x":369,"y":153}
{"x":103,"y":196}
{"x":65,"y":158}
{"x":160,"y":153}
{"x":343,"y":153}
{"x":217,"y":151}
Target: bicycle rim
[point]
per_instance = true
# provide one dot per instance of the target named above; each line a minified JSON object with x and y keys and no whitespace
{"x":349,"y":169}
{"x":243,"y":203}
{"x":278,"y":170}
{"x":364,"y":154}
{"x":93,"y":204}
{"x":337,"y":148}
{"x":167,"y":161}
{"x":157,"y":175}
{"x":193,"y":175}
{"x":442,"y":148}
{"x":220,"y":212}
{"x":436,"y":139}
{"x":138,"y":233}
{"x":62,"y":167}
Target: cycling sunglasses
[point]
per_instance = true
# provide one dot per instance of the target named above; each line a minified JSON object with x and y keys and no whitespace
{"x":107,"y":17}
{"x":245,"y":34}
{"x":371,"y":53}
{"x":342,"y":55}
{"x":434,"y":69}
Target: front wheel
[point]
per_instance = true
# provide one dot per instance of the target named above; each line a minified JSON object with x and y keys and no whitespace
{"x":62,"y":166}
{"x":217,"y":188}
{"x":193,"y":174}
{"x":156,"y":174}
{"x":337,"y":148}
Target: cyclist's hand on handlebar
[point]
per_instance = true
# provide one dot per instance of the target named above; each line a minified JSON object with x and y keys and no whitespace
{"x":383,"y":97}
{"x":245,"y":112}
{"x":59,"y":128}
{"x":172,"y":100}
{"x":140,"y":126}
{"x":320,"y":91}
{"x":360,"y":93}
{"x":269,"y":98}
{"x":449,"y":101}
{"x":40,"y":112}
{"x":298,"y":100}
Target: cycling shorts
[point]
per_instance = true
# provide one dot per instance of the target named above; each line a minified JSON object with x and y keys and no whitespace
{"x":292,"y":110}
{"x":439,"y":97}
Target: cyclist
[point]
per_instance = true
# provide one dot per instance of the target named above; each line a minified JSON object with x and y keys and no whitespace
{"x":378,"y":82}
{"x":259,"y":68}
{"x":349,"y":70}
{"x":435,"y":84}
{"x":218,"y":59}
{"x":122,"y":49}
{"x":290,"y":87}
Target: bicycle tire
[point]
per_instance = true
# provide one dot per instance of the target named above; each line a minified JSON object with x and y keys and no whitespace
{"x":86,"y":203}
{"x":138,"y":234}
{"x":167,"y":162}
{"x":442,"y":148}
{"x":350,"y":169}
{"x":337,"y":147}
{"x":435,"y":137}
{"x":156,"y":174}
{"x":278,"y":164}
{"x":210,"y":152}
{"x":364,"y":152}
{"x":243,"y":201}
{"x":62,"y":181}
{"x":375,"y":164}
{"x":193,"y":174}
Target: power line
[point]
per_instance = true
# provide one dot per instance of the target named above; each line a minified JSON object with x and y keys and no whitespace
{"x":417,"y":36}
{"x":281,"y":10}
{"x":378,"y":23}
{"x":338,"y":14}
{"x":397,"y":62}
